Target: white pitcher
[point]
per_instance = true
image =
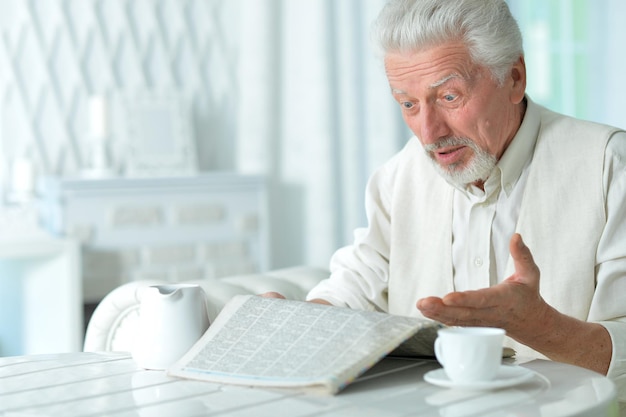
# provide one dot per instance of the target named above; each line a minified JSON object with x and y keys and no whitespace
{"x":171,"y":319}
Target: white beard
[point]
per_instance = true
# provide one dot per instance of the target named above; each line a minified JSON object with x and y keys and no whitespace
{"x":478,"y":168}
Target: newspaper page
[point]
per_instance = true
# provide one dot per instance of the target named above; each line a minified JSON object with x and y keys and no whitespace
{"x":285,"y":343}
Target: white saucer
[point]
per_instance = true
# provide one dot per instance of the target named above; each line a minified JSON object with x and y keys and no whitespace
{"x":507,"y":376}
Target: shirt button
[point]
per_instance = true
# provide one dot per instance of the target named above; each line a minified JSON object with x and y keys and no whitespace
{"x":478,"y":262}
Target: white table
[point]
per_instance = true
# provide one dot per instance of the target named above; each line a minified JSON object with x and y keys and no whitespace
{"x":89,"y":384}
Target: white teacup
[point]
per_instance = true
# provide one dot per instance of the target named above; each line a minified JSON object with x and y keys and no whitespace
{"x":171,"y":319}
{"x":470,"y":354}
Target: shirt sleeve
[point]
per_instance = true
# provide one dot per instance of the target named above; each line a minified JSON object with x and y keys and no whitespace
{"x":360,"y":272}
{"x":608,"y":306}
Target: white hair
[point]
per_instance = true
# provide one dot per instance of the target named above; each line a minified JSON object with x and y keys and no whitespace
{"x":487,"y":28}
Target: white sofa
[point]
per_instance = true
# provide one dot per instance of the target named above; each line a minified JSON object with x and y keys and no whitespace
{"x":114,"y":321}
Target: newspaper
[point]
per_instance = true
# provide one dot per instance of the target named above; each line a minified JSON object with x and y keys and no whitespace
{"x":258,"y":341}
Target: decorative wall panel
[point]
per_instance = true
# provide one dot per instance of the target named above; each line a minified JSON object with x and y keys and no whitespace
{"x":56,"y":54}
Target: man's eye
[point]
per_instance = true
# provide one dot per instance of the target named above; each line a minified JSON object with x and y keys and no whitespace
{"x":407,"y":105}
{"x":449,"y":97}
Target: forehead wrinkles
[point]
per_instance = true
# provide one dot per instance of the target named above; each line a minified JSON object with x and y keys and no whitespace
{"x":400,"y":67}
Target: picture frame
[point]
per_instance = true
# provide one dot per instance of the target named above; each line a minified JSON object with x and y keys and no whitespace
{"x":159,"y":135}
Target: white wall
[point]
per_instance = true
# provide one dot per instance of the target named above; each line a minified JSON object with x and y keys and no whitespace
{"x":286,"y":89}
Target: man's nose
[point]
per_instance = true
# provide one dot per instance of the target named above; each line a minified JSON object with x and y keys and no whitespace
{"x":432,"y":125}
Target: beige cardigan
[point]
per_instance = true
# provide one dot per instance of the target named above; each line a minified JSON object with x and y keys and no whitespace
{"x":563,"y":242}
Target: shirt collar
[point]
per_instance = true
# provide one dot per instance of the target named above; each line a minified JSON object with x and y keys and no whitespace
{"x":515,"y":158}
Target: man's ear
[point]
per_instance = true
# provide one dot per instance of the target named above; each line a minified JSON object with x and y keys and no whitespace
{"x":518,"y":77}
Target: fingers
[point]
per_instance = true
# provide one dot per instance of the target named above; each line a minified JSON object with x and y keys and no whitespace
{"x":526,"y":271}
{"x":431,"y":307}
{"x":272,"y":294}
{"x":482,"y":298}
{"x":436,"y":309}
{"x":428,"y":303}
{"x":446,"y":306}
{"x":320,"y":301}
{"x":496,"y":306}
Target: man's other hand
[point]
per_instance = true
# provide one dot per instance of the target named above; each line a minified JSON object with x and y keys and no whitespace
{"x":514,"y":305}
{"x":272,"y":294}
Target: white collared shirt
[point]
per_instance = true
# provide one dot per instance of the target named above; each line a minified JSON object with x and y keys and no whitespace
{"x":484,"y":221}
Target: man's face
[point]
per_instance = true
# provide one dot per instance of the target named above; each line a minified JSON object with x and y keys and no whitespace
{"x":462,"y":116}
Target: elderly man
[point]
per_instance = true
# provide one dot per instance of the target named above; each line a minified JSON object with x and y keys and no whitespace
{"x":486,"y":167}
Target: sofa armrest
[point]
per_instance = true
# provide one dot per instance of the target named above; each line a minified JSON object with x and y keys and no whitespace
{"x":113,"y":325}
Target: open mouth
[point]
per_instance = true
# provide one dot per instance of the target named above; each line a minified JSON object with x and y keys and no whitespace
{"x":449,"y":155}
{"x":448,"y":151}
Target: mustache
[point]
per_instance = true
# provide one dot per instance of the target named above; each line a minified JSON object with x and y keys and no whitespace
{"x":448,"y":142}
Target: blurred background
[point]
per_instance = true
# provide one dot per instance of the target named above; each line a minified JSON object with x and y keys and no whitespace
{"x":184,"y":139}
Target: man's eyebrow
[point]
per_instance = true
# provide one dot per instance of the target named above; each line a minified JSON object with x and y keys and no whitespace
{"x":436,"y":84}
{"x":397,"y":91}
{"x":444,"y":80}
